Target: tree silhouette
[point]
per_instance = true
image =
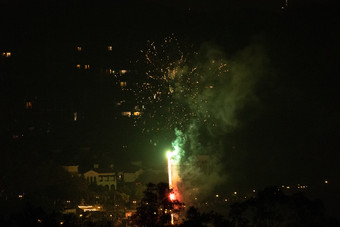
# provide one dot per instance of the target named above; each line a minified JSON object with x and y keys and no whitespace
{"x":196,"y":219}
{"x":273,"y":208}
{"x":155,"y":206}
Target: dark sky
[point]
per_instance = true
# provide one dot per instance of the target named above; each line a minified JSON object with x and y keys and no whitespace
{"x":288,"y":135}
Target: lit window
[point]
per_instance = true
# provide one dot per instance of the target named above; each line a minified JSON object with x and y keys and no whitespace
{"x":109,"y":48}
{"x":123,"y":71}
{"x":78,"y":66}
{"x":75,"y":116}
{"x":6,"y":54}
{"x":137,"y":113}
{"x":87,"y":66}
{"x":127,"y":114}
{"x":28,"y":105}
{"x":123,"y":84}
{"x":79,"y":48}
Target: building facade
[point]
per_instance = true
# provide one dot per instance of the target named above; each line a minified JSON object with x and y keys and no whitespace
{"x":106,"y":179}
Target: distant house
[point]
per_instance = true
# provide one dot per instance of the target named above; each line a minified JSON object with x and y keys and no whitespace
{"x":110,"y":178}
{"x":102,"y":177}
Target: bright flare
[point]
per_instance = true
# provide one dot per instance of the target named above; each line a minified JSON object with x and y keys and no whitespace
{"x":172,"y":196}
{"x":168,"y":154}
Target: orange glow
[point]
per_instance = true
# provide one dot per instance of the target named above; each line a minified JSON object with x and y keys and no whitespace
{"x":87,"y":208}
{"x":28,"y":105}
{"x":127,"y":114}
{"x":7,"y":54}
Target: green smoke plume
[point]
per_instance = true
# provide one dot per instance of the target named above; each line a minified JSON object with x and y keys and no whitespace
{"x":221,"y":88}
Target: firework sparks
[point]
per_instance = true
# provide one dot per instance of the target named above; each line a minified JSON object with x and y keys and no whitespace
{"x":173,"y":83}
{"x":193,"y":92}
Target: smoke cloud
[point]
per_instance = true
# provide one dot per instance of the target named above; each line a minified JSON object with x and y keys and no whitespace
{"x":224,"y":87}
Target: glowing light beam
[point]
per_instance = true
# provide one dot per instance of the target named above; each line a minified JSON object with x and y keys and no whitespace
{"x":168,"y":154}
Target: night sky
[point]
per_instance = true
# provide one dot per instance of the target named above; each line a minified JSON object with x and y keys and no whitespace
{"x":284,"y":130}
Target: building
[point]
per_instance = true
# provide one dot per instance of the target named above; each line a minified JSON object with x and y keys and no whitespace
{"x":110,"y":178}
{"x":101,"y":177}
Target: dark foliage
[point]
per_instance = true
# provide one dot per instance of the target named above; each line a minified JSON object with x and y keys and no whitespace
{"x":273,"y":208}
{"x":196,"y":219}
{"x":152,"y":211}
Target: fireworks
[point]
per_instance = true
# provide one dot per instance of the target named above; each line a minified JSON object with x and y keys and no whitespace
{"x":174,"y":159}
{"x":172,"y":195}
{"x":178,"y":89}
{"x":197,"y":95}
{"x":175,"y":84}
{"x":157,"y":93}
